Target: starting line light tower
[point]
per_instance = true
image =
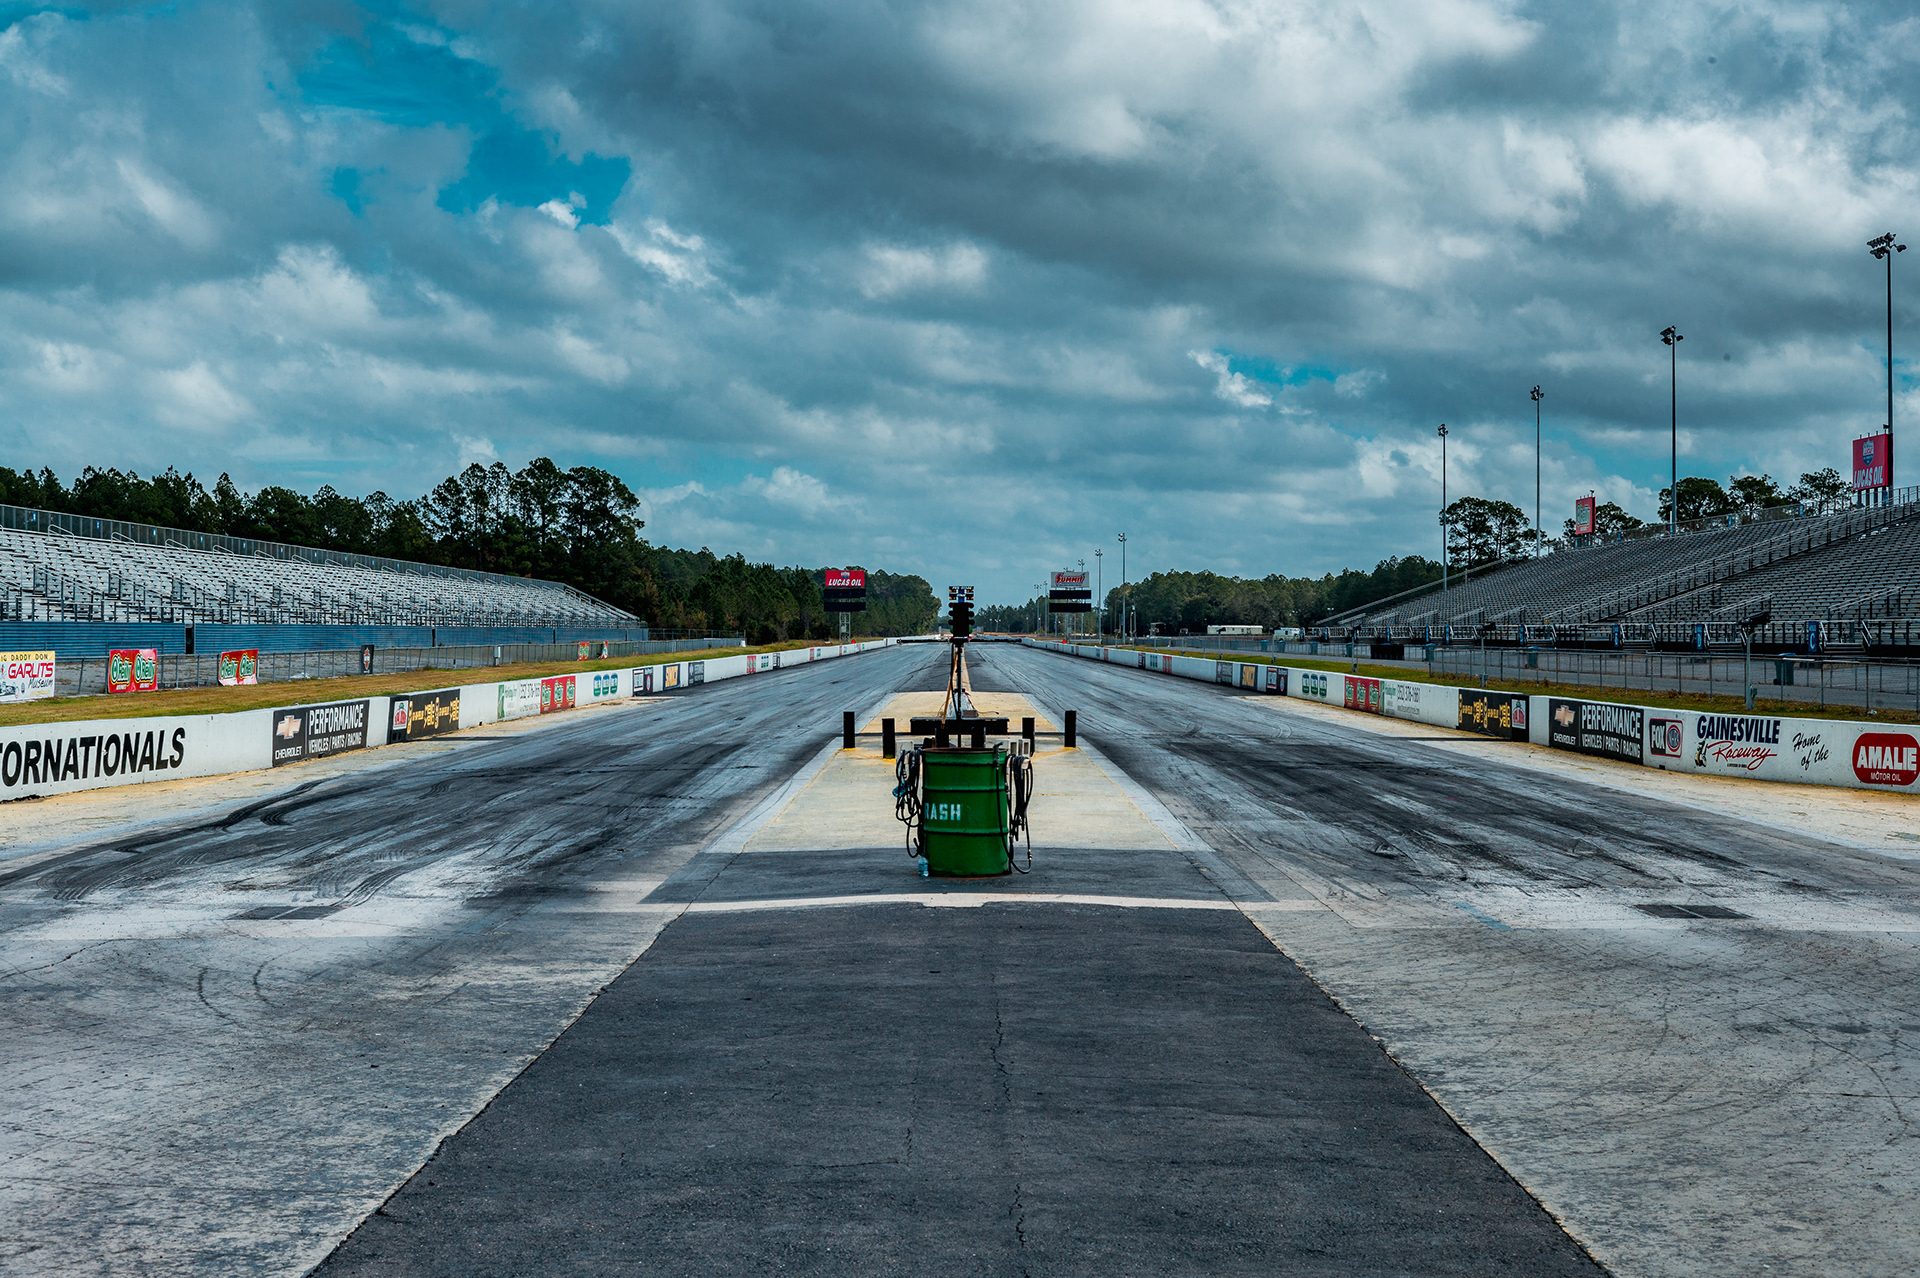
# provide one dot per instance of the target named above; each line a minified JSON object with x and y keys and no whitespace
{"x":845,"y":592}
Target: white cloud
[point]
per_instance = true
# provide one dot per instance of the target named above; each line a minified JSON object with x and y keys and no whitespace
{"x":889,"y":271}
{"x":562,"y":212}
{"x":1235,"y":388}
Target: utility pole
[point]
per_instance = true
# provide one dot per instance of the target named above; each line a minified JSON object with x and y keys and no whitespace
{"x":1537,"y":396}
{"x":1040,"y":592}
{"x":1083,"y":570}
{"x":1885,"y":248}
{"x":1673,"y":337}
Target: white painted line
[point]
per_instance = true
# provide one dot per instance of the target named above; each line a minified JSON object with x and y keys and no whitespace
{"x":964,"y":900}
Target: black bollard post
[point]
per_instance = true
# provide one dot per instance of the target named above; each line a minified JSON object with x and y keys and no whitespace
{"x":1026,"y":730}
{"x":846,"y":729}
{"x":886,"y":739}
{"x":940,"y":735}
{"x":979,"y":736}
{"x":1073,"y":728}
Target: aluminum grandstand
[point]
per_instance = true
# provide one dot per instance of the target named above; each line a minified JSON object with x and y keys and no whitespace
{"x":1854,"y":572}
{"x":68,"y":581}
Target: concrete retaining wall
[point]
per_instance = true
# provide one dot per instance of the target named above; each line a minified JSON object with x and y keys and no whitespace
{"x":1764,"y":747}
{"x":59,"y":758}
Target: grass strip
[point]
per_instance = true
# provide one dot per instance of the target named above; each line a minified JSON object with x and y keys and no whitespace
{"x":1696,"y":703}
{"x":295,"y":692}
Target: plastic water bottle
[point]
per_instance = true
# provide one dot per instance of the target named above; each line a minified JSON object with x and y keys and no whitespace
{"x":922,"y":862}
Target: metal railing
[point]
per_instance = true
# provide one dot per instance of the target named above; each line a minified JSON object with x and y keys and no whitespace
{"x":573,"y":605}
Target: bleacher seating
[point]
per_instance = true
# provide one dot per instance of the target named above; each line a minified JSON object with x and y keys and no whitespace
{"x":64,"y":568}
{"x":1851,"y":564}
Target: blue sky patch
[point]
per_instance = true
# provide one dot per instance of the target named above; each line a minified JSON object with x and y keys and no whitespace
{"x":416,"y":83}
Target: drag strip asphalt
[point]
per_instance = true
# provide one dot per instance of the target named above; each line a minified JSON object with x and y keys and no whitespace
{"x":1688,"y":1096}
{"x":190,"y":1090}
{"x":1103,"y":1067}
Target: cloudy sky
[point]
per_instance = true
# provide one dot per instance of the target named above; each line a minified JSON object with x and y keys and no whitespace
{"x":964,"y":289}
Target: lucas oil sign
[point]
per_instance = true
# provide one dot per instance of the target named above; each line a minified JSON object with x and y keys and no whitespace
{"x":314,"y":732}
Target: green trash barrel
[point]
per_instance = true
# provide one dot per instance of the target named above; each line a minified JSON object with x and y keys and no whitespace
{"x":964,"y":820}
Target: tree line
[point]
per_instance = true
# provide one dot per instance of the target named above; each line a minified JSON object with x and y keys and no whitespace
{"x":1192,"y":601}
{"x":579,"y":526}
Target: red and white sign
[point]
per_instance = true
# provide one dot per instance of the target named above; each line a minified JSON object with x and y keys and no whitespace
{"x":24,"y":675}
{"x":1872,"y":462}
{"x":846,"y":579}
{"x":1363,"y":694}
{"x":1070,"y":581}
{"x":133,"y":669}
{"x":1886,"y":758}
{"x":1583,"y":517}
{"x":240,"y":667}
{"x":557,"y":693}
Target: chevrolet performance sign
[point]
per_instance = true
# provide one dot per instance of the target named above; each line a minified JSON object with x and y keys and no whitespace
{"x":314,"y":732}
{"x":1597,"y":728}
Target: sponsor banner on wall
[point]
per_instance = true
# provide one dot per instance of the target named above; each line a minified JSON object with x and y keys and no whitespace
{"x":1277,"y":680}
{"x":1313,"y":684}
{"x":1401,"y":700}
{"x":1736,"y":743}
{"x":697,"y":670}
{"x":61,"y":754}
{"x":415,"y":715}
{"x":557,"y":693}
{"x":1597,"y":728}
{"x":518,"y":699}
{"x":133,"y":669}
{"x":1363,"y":693}
{"x":1667,"y":738}
{"x":1886,"y":758}
{"x":599,"y":685}
{"x":314,"y":732}
{"x":26,"y":675}
{"x":670,"y":676}
{"x":642,"y":680}
{"x":240,"y":668}
{"x":1223,"y":672}
{"x":1493,"y":714}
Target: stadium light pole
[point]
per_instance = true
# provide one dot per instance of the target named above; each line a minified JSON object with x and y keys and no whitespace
{"x":1673,"y":337}
{"x":1537,"y":396}
{"x":1083,"y":573}
{"x":1885,"y":248}
{"x":1443,"y":508}
{"x":1124,"y":617}
{"x":1040,"y":592}
{"x":1100,"y":585}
